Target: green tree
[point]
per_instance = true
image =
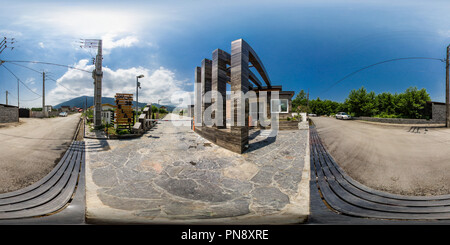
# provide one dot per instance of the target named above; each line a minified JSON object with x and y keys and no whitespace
{"x":361,"y":103}
{"x":316,"y":106}
{"x":325,"y":107}
{"x":411,"y":103}
{"x":386,"y":104}
{"x":300,"y":101}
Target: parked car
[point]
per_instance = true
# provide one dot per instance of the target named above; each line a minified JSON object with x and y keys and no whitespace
{"x":63,"y":114}
{"x":343,"y":115}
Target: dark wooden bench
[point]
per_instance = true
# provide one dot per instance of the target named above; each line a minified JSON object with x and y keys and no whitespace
{"x":347,"y":196}
{"x":50,"y":194}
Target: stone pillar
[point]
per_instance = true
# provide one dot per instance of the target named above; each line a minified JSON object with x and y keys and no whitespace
{"x":220,"y":59}
{"x":206,"y":86}
{"x":239,"y":87}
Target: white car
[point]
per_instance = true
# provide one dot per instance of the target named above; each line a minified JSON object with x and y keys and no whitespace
{"x":63,"y":114}
{"x":343,"y":115}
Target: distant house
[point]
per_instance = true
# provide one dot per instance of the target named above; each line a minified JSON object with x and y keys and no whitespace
{"x":48,"y":108}
{"x":105,"y":107}
{"x":163,"y":107}
{"x":65,"y":108}
{"x":107,"y":117}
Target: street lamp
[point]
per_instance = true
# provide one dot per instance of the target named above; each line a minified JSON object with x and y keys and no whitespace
{"x":138,"y":86}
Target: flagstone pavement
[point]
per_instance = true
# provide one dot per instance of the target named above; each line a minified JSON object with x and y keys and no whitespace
{"x":171,"y":175}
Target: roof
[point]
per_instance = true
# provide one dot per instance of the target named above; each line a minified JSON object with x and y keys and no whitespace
{"x":105,"y":104}
{"x":435,"y":102}
{"x":8,"y":105}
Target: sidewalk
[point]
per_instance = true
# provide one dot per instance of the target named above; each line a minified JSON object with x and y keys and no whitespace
{"x":173,"y":176}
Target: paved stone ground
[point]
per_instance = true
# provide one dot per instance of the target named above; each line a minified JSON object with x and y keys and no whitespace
{"x":172,"y":175}
{"x":90,"y":133}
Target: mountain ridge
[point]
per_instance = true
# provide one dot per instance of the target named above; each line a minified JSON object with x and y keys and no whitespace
{"x":81,"y":101}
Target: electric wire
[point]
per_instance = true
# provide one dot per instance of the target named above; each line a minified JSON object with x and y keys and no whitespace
{"x":20,"y":80}
{"x":46,"y":76}
{"x":378,"y":63}
{"x":46,"y":63}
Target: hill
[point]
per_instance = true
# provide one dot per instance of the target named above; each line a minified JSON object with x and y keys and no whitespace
{"x":80,"y":102}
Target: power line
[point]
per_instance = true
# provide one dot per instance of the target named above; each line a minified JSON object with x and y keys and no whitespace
{"x":9,"y":94}
{"x":46,"y":75}
{"x":18,"y":79}
{"x":378,"y":63}
{"x":49,"y":78}
{"x":26,"y":67}
{"x":46,"y":63}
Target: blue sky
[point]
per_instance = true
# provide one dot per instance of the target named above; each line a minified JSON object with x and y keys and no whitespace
{"x":303,"y":45}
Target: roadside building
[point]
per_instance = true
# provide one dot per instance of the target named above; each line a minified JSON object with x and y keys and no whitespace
{"x":24,"y":112}
{"x":107,"y":113}
{"x":105,"y":107}
{"x":108,"y":117}
{"x":65,"y":108}
{"x":436,"y":111}
{"x":9,"y":113}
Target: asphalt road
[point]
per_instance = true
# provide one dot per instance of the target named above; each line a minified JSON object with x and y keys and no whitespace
{"x":30,"y":149}
{"x":390,"y":158}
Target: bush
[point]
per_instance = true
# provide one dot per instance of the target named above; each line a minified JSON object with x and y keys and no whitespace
{"x":99,"y":127}
{"x":385,"y":115}
{"x":123,"y":131}
{"x":297,"y":117}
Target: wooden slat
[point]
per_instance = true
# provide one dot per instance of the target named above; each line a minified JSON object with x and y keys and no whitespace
{"x":55,"y":204}
{"x":51,"y":193}
{"x":346,"y":198}
{"x":40,"y":182}
{"x":377,"y":192}
{"x":44,"y":187}
{"x":54,"y":198}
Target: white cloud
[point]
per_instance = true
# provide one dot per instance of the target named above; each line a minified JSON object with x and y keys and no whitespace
{"x":41,"y":44}
{"x":110,"y":41}
{"x":30,"y":81}
{"x":10,"y":33}
{"x":160,"y":84}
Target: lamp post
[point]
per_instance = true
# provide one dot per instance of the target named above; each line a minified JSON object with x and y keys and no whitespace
{"x":138,"y":86}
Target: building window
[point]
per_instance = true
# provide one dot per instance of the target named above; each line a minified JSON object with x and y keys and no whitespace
{"x":279,"y":106}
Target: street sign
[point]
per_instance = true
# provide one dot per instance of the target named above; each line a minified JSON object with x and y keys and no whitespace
{"x":123,"y":115}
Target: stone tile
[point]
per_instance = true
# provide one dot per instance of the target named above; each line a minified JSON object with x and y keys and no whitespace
{"x":142,"y":190}
{"x":173,"y":173}
{"x":105,"y":177}
{"x":270,"y":197}
{"x":263,"y":177}
{"x":127,"y":203}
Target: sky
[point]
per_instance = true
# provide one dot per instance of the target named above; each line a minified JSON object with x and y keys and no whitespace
{"x":309,"y":45}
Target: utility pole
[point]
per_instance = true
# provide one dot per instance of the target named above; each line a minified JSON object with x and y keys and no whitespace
{"x":85,"y":116}
{"x":97,"y":74}
{"x":6,"y":97}
{"x":43,"y":95}
{"x":447,"y":89}
{"x":18,"y":105}
{"x":307,"y":103}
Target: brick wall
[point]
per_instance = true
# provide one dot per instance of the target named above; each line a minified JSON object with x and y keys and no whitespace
{"x":438,"y":112}
{"x":8,"y":114}
{"x":40,"y":114}
{"x":396,"y":120}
